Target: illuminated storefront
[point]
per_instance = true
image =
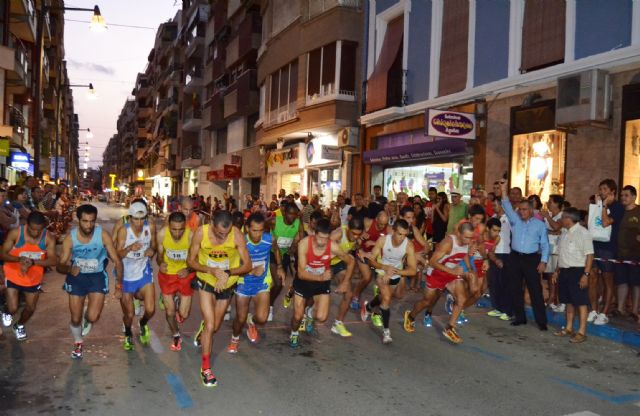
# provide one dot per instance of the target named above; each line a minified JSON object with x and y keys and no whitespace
{"x":631,"y":135}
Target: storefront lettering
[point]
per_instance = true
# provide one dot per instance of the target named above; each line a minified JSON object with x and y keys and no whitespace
{"x":411,"y":155}
{"x":289,"y":156}
{"x":450,"y":124}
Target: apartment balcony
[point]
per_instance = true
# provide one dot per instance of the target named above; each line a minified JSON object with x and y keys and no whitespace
{"x":213,"y":117}
{"x":158,"y":167}
{"x":242,"y":97}
{"x":281,"y":115}
{"x":50,"y":98}
{"x":162,"y":104}
{"x":19,"y":76}
{"x":191,"y":156}
{"x":23,"y":20}
{"x":317,"y":7}
{"x":192,"y":120}
{"x":329,"y":92}
{"x":195,"y":47}
{"x":194,"y":80}
{"x":144,"y":112}
{"x":7,"y":58}
{"x":246,"y":41}
{"x":143,"y":91}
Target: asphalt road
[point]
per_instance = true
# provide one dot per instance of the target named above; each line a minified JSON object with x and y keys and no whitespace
{"x":498,"y":370}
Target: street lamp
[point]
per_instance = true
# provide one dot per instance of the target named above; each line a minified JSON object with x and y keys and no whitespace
{"x":89,"y":135}
{"x":91,"y":95}
{"x":98,"y":23}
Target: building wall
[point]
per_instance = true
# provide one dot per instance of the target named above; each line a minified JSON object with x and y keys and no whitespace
{"x":420,"y":47}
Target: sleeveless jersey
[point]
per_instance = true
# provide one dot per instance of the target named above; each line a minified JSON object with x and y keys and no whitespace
{"x":13,"y":271}
{"x":457,"y":254}
{"x":135,"y":264}
{"x":345,"y":245}
{"x":89,"y":257}
{"x":374,"y":234}
{"x":391,"y":255}
{"x":175,"y":252}
{"x":224,"y":256}
{"x":317,"y":265}
{"x":284,"y":234}
{"x":259,"y":253}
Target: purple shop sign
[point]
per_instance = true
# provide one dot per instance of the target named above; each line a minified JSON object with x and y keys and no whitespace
{"x":417,"y":152}
{"x":450,"y":124}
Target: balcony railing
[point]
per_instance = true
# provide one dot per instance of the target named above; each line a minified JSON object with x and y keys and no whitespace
{"x":329,"y":92}
{"x":193,"y":113}
{"x":192,"y":152}
{"x":22,"y":59}
{"x":317,"y":7}
{"x":282,"y":114}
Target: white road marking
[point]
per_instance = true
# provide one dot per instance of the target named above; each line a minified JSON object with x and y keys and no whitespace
{"x":584,"y":413}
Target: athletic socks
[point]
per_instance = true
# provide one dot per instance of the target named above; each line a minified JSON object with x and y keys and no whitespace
{"x":375,"y":302}
{"x":235,"y":338}
{"x":206,"y":363}
{"x":385,"y":317}
{"x":127,"y":331}
{"x":295,"y":333}
{"x":76,"y":331}
{"x":144,"y":321}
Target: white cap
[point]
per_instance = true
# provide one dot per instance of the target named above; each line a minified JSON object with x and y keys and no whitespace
{"x":138,"y":210}
{"x":455,"y":191}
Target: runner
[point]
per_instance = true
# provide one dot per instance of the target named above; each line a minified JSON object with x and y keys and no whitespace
{"x":373,"y":230}
{"x":447,"y":274}
{"x":219,"y":255}
{"x":136,"y":245}
{"x":314,"y":277}
{"x":286,"y":231}
{"x":420,"y":245}
{"x":254,"y":285}
{"x":347,"y":237}
{"x":174,"y":276}
{"x":388,"y":257}
{"x":26,"y":251}
{"x":83,"y":259}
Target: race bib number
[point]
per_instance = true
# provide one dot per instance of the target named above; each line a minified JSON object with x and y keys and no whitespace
{"x":318,"y":271}
{"x":33,"y":255}
{"x":87,"y":265}
{"x":284,"y":242}
{"x":177,"y":255}
{"x":135,"y":254}
{"x":223,"y":264}
{"x":257,"y":264}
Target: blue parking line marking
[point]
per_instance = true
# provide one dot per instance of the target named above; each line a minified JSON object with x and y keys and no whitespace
{"x":180,"y":391}
{"x":489,"y":354}
{"x":622,"y":399}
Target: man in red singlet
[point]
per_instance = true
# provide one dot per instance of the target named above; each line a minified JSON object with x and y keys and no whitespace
{"x":447,"y":274}
{"x":26,"y":252}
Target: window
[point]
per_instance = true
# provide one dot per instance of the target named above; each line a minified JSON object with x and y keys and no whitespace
{"x":321,"y":72}
{"x":384,"y":83}
{"x":283,"y":90}
{"x":543,"y":33}
{"x":250,"y":131}
{"x":221,"y":142}
{"x":347,"y":81}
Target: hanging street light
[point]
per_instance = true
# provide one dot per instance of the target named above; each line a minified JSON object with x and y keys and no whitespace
{"x":98,"y":24}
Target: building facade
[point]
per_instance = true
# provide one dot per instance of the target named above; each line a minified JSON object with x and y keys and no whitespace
{"x":551,"y":85}
{"x":309,"y":74}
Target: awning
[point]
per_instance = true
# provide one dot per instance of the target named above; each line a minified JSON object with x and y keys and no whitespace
{"x":439,"y":148}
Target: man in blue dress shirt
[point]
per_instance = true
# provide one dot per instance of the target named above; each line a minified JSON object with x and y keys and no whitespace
{"x":528,"y":258}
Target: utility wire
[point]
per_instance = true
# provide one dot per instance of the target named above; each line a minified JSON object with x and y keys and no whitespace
{"x":114,"y":24}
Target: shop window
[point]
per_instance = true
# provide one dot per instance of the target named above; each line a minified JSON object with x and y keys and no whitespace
{"x":631,"y":174}
{"x":416,"y":180}
{"x":538,"y":163}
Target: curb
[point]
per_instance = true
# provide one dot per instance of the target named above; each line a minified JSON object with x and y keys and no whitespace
{"x":630,"y":338}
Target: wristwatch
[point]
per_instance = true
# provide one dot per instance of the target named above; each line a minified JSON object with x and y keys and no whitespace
{"x":586,"y":274}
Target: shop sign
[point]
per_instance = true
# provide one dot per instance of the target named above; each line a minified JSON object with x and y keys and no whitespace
{"x":4,"y":147}
{"x":61,"y":166}
{"x":331,"y":153}
{"x":21,"y":161}
{"x":285,"y":159}
{"x":228,"y":172}
{"x":450,"y":124}
{"x":415,"y":152}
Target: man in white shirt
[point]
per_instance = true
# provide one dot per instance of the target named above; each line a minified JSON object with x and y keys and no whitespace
{"x":498,"y":278}
{"x":343,"y":210}
{"x":575,"y":258}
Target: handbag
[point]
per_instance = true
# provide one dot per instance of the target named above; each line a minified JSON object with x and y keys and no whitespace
{"x":598,"y":232}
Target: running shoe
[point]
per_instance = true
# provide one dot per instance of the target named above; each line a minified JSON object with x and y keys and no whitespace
{"x":338,"y":328}
{"x":21,"y":332}
{"x":303,"y":324}
{"x":7,"y":319}
{"x":252,"y":330}
{"x":176,"y":345}
{"x":364,"y":313}
{"x":376,"y":320}
{"x":286,"y":301}
{"x":145,"y":336}
{"x":208,"y":378}
{"x":270,"y":317}
{"x":448,"y":303}
{"x":76,"y":353}
{"x":196,"y":337}
{"x":592,"y":316}
{"x":427,"y":321}
{"x":462,"y":318}
{"x":355,"y":304}
{"x":505,"y":317}
{"x":294,"y":341}
{"x":139,"y":310}
{"x":161,"y":302}
{"x":452,"y":335}
{"x":232,"y":348}
{"x":309,"y":326}
{"x":494,"y":313}
{"x":386,"y":337}
{"x":128,"y":344}
{"x":86,"y":327}
{"x":408,"y":323}
{"x":601,"y":319}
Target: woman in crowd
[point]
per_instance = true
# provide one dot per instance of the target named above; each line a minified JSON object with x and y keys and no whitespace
{"x":440,"y":217}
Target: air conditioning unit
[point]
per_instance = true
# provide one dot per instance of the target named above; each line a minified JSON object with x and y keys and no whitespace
{"x":349,"y":137}
{"x":583,"y":98}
